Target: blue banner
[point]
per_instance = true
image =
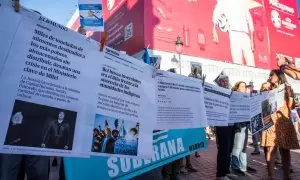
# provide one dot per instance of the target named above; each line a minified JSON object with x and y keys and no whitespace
{"x":168,"y":145}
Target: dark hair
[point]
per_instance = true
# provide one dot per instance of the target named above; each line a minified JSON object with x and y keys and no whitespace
{"x":237,"y":85}
{"x":115,"y":131}
{"x":134,"y":130}
{"x":95,"y":129}
{"x":172,"y":70}
{"x":280,"y":75}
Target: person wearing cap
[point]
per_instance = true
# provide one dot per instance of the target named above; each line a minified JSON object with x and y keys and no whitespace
{"x":224,"y":139}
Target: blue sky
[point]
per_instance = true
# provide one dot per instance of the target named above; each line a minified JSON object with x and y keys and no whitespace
{"x":100,"y":121}
{"x":58,"y":10}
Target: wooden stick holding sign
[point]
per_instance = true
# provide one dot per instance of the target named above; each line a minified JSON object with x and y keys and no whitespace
{"x":103,"y":40}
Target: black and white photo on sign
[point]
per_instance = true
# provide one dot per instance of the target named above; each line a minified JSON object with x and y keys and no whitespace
{"x":257,"y":124}
{"x":297,"y":99}
{"x":35,"y":125}
{"x":196,"y":70}
{"x":221,"y":77}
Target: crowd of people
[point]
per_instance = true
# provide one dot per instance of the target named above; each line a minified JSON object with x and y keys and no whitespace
{"x":232,"y":140}
{"x":104,"y":140}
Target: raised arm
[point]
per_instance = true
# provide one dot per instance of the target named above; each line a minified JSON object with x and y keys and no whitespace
{"x":289,"y":69}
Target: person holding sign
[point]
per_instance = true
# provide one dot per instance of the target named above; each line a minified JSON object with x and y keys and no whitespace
{"x":224,"y":139}
{"x":239,"y":156}
{"x":282,"y":134}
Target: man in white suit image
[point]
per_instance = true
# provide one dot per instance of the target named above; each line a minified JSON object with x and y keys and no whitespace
{"x":240,"y":28}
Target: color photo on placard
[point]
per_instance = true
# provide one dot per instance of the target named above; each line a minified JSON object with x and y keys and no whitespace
{"x":115,"y":136}
{"x":257,"y":124}
{"x":35,"y":125}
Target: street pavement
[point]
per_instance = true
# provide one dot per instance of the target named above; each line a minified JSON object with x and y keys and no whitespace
{"x":206,"y":166}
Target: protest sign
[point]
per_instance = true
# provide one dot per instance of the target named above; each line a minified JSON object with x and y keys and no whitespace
{"x":217,"y":102}
{"x":257,"y":123}
{"x":47,"y":84}
{"x":239,"y":110}
{"x":91,"y":14}
{"x":263,"y":106}
{"x":175,"y":111}
{"x":168,"y":146}
{"x":268,"y":107}
{"x":125,"y":113}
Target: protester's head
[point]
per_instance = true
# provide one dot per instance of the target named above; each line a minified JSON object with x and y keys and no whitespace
{"x":239,"y":86}
{"x":61,"y":116}
{"x":81,"y":30}
{"x":223,"y":81}
{"x":265,"y":87}
{"x":133,"y":132}
{"x":17,"y":118}
{"x":276,"y":78}
{"x":95,"y":132}
{"x":250,"y":87}
{"x":115,"y":133}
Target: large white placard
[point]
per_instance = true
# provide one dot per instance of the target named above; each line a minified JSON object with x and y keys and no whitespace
{"x":217,"y":103}
{"x":239,"y":107}
{"x":180,"y":102}
{"x":278,"y":95}
{"x":47,"y":88}
{"x":125,"y":115}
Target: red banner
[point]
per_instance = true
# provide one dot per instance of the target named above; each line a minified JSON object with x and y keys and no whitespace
{"x":283,"y":25}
